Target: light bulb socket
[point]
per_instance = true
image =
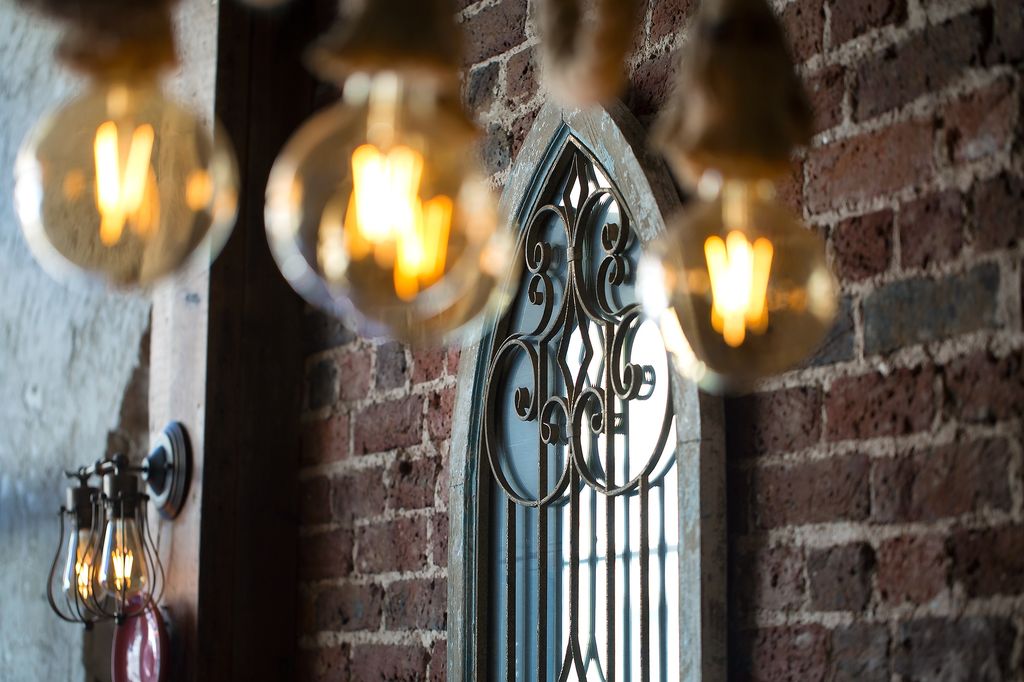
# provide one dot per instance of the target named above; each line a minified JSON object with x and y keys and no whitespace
{"x":121,"y":492}
{"x":738,"y":105}
{"x":79,"y":504}
{"x":417,"y":38}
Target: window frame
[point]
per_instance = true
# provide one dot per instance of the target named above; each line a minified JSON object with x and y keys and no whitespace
{"x":617,"y":141}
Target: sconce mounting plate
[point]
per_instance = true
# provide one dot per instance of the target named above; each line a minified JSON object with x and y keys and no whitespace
{"x":169,"y":469}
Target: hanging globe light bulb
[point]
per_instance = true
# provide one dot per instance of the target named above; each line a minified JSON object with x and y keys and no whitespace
{"x":740,"y":287}
{"x":376,"y":208}
{"x":121,"y":183}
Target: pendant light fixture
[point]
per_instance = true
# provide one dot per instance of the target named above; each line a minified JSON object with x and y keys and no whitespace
{"x":121,"y":183}
{"x":740,"y":287}
{"x":376,"y":209}
{"x":584,"y":56}
{"x":107,"y":566}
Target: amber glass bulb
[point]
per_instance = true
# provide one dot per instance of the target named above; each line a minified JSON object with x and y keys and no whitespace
{"x":376,"y":210}
{"x":740,"y":287}
{"x":77,"y":576}
{"x":125,"y":185}
{"x":123,"y":571}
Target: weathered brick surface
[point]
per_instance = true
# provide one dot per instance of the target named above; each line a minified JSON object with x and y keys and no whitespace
{"x":840,"y":577}
{"x":874,"y":492}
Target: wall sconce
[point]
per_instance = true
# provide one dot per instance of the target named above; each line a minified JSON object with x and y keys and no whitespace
{"x":107,"y":565}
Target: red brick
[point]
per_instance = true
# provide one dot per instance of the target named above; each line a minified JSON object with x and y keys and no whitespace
{"x":999,"y":212}
{"x":321,"y":384}
{"x":349,"y":608}
{"x":984,"y":388}
{"x":990,"y":561}
{"x":493,"y":30}
{"x":774,"y":422}
{"x":860,"y":653}
{"x":496,"y":149}
{"x":981,"y":123}
{"x":392,"y":371}
{"x":315,"y":500}
{"x":439,"y":539}
{"x":389,"y":663}
{"x":770,"y":578}
{"x":321,"y":332}
{"x":325,"y":555}
{"x":439,"y":661}
{"x":851,"y":18}
{"x":669,"y":17}
{"x":481,"y":88}
{"x":389,"y":425}
{"x":872,"y":405}
{"x":804,"y":23}
{"x":926,"y":62}
{"x":651,"y":83}
{"x":827,"y":89}
{"x":354,"y":366}
{"x":521,"y":74}
{"x":812,"y":492}
{"x":948,"y":480}
{"x":869,"y":165}
{"x":427,"y":364}
{"x":967,"y":648}
{"x":922,"y":309}
{"x":838,"y":343}
{"x":439,"y":414}
{"x":399,"y":545}
{"x":840,"y":577}
{"x":358,"y":495}
{"x":412,"y":483}
{"x":863,"y":245}
{"x":789,"y":187}
{"x":324,"y":664}
{"x":417,"y":604}
{"x":931,"y":230}
{"x":782,"y":653}
{"x":912,"y":569}
{"x":520,"y":129}
{"x":452,"y":361}
{"x":325,"y":440}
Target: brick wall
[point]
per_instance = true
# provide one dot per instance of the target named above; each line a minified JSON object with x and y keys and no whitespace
{"x":876,"y":496}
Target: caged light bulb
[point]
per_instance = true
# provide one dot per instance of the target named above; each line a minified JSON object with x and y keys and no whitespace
{"x":76,"y":580}
{"x":376,"y":210}
{"x":125,"y":185}
{"x":740,"y":287}
{"x":123,"y":572}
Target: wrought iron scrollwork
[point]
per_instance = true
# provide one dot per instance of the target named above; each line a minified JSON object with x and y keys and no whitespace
{"x":564,"y":360}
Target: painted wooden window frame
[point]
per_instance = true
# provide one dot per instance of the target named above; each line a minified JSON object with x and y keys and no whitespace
{"x":617,"y":142}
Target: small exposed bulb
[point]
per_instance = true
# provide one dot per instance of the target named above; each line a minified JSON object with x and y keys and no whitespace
{"x":77,"y":576}
{"x":740,"y":288}
{"x":123,"y":573}
{"x":377,"y":211}
{"x":124,"y":185}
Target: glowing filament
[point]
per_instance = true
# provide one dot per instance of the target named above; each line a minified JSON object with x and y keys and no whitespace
{"x":123,"y":563}
{"x":739,"y":274}
{"x":83,"y":569}
{"x":122,"y":190}
{"x":386,"y":216}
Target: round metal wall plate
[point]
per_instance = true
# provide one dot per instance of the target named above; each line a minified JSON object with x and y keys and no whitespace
{"x":177,"y":451}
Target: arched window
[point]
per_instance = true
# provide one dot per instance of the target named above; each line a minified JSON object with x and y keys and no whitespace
{"x":587,"y":509}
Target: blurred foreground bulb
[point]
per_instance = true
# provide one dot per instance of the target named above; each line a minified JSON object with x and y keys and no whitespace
{"x":376,"y":209}
{"x":125,"y":185}
{"x":78,"y":566}
{"x":741,"y":289}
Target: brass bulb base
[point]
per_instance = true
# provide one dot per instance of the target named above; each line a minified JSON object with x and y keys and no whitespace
{"x":738,"y":106}
{"x":418,"y":38}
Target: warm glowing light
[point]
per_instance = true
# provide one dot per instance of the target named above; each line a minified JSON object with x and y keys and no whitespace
{"x":739,"y":273}
{"x":387,"y":218}
{"x":122,"y":191}
{"x":123,"y":562}
{"x":83,"y":573}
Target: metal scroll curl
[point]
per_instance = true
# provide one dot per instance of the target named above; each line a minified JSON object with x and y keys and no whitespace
{"x":576,"y":346}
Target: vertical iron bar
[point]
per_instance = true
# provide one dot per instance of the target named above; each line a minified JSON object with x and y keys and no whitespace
{"x":645,"y":597}
{"x":542,"y":522}
{"x":510,"y":591}
{"x":610,"y":545}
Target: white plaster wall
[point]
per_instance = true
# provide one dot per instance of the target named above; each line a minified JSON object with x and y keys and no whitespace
{"x":66,"y":352}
